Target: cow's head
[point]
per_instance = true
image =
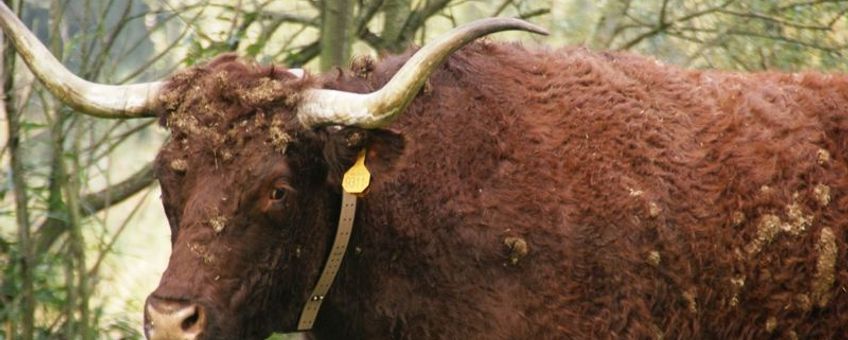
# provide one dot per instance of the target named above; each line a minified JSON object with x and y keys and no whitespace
{"x":252,"y":197}
{"x":250,"y":176}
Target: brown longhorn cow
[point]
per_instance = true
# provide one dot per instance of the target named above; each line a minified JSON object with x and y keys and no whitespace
{"x":516,"y":193}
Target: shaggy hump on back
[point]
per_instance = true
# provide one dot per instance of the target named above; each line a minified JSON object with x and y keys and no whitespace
{"x":517,"y":193}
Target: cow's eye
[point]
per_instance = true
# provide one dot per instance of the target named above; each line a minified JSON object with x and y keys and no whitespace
{"x":277,"y":194}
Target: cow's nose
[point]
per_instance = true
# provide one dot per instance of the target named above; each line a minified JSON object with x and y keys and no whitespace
{"x":173,"y":320}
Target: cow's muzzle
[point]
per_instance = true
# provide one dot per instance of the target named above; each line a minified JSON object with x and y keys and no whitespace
{"x":173,"y":320}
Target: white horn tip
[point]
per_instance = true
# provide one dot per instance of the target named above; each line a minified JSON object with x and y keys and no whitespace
{"x":297,"y":72}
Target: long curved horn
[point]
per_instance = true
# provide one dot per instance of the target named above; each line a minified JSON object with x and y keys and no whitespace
{"x":107,"y":101}
{"x":372,"y":110}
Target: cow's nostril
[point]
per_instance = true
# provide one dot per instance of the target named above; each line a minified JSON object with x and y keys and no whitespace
{"x":193,"y":322}
{"x":168,"y":319}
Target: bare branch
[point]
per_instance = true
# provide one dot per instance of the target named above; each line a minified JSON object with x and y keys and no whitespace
{"x":501,"y":8}
{"x":534,"y":13}
{"x":775,"y":37}
{"x":304,"y":56}
{"x":53,"y":228}
{"x":142,"y":68}
{"x":807,"y":4}
{"x":663,"y":26}
{"x":777,"y":20}
{"x":108,"y":249}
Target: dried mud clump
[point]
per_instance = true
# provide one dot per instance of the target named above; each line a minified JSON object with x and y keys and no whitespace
{"x":635,"y":192}
{"x":278,"y":138}
{"x":658,"y":333}
{"x":690,"y":297}
{"x":771,"y":324}
{"x":264,"y":92}
{"x":654,"y":209}
{"x":825,"y":267}
{"x":823,"y":156}
{"x":218,"y":107}
{"x":803,"y":302}
{"x":738,"y":218}
{"x":767,"y":230}
{"x":736,"y":285}
{"x":770,"y":226}
{"x":517,"y":248}
{"x":218,"y":223}
{"x":821,"y":193}
{"x":202,"y":252}
{"x":798,"y":221}
{"x":654,"y":258}
{"x":792,"y":335}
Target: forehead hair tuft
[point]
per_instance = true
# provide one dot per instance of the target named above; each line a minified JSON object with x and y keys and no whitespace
{"x":218,"y":106}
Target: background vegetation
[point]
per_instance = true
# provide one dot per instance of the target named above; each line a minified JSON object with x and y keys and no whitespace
{"x":82,"y":237}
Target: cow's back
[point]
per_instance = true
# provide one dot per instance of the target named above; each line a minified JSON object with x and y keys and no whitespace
{"x":573,"y":194}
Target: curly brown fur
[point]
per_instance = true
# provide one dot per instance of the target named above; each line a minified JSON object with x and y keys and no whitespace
{"x":650,"y":201}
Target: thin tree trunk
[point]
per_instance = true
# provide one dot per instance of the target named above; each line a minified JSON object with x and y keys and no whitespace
{"x":336,"y":34}
{"x":77,"y":242}
{"x":58,"y":210}
{"x":27,"y":299}
{"x":70,"y":329}
{"x":396,"y":13}
{"x":605,"y":31}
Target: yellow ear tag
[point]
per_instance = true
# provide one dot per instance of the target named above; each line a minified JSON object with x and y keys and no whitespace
{"x":357,"y":178}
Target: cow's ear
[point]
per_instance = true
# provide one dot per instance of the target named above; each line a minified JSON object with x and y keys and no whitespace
{"x":343,"y":144}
